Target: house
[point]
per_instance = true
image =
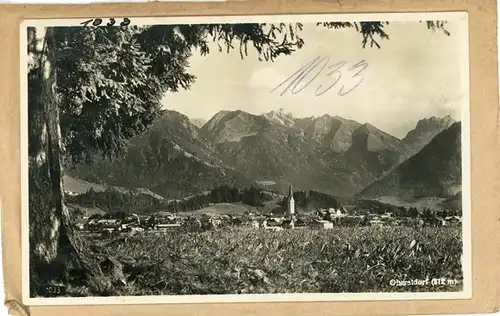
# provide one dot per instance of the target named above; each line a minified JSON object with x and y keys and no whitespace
{"x":249,"y":213}
{"x":453,"y":219}
{"x":93,"y":224}
{"x":300,"y":223}
{"x":376,"y":222}
{"x":289,"y":224}
{"x":441,"y":222}
{"x":386,"y":216}
{"x":108,"y":223}
{"x":125,"y":226}
{"x":214,"y":223}
{"x":160,"y":226}
{"x":321,"y":212}
{"x":171,"y":218}
{"x":336,"y":213}
{"x":193,"y":223}
{"x":272,"y":225}
{"x":277,"y":220}
{"x":322,"y":224}
{"x":136,"y":229}
{"x":80,"y":226}
{"x":255,"y":224}
{"x":165,"y":227}
{"x":106,"y":232}
{"x":271,"y":222}
{"x":70,"y":193}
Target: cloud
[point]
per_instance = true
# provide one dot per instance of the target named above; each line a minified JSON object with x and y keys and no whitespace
{"x":266,"y":77}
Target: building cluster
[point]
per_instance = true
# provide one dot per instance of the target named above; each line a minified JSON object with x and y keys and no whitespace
{"x":324,"y":218}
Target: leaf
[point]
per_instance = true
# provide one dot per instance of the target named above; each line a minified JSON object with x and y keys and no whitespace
{"x":357,"y":253}
{"x":323,"y":247}
{"x":348,"y":247}
{"x":412,"y":244}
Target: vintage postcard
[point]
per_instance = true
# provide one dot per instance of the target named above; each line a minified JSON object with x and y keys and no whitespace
{"x":246,"y":159}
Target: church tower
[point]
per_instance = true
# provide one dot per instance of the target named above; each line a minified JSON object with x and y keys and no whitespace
{"x":291,"y":204}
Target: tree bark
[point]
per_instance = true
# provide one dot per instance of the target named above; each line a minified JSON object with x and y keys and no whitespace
{"x":56,"y":252}
{"x":44,"y":225}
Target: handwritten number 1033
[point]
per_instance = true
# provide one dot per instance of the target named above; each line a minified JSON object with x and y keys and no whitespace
{"x":331,"y":74}
{"x":99,"y":21}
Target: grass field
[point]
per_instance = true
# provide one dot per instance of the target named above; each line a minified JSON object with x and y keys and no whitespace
{"x":80,"y":186}
{"x":221,"y":209}
{"x":88,"y":211}
{"x":258,"y":261}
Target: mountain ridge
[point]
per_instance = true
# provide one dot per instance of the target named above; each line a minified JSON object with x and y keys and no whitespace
{"x":433,"y":171}
{"x":327,"y":153}
{"x":425,"y":130}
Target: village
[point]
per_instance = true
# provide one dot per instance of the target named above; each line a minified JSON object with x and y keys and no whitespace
{"x":323,"y":218}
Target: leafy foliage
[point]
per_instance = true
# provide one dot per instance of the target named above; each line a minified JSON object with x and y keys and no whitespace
{"x":353,"y":260}
{"x":373,"y":31}
{"x":368,"y":30}
{"x":112,"y":89}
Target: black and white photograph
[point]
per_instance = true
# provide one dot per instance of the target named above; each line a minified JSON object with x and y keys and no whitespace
{"x":245,"y":158}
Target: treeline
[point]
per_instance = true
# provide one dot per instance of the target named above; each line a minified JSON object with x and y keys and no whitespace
{"x":223,"y":194}
{"x":114,"y":201}
{"x":312,"y":200}
{"x":376,"y":207}
{"x":251,"y":196}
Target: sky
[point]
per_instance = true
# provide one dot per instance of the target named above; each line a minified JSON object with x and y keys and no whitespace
{"x":415,"y":74}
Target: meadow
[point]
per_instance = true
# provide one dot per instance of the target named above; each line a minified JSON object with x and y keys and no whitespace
{"x":244,"y":261}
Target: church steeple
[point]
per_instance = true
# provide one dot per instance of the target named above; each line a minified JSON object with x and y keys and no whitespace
{"x":290,"y":211}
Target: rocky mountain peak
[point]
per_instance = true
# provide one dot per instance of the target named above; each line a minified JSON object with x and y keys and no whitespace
{"x":280,"y":117}
{"x":425,"y":130}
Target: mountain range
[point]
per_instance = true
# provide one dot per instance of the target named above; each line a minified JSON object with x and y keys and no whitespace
{"x":178,"y":156}
{"x":433,"y":171}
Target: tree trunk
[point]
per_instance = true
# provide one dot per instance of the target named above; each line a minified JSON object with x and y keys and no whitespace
{"x":44,"y":225}
{"x":56,"y":252}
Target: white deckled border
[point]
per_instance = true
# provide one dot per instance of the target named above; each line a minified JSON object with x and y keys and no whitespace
{"x":303,"y":18}
{"x":463,"y":37}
